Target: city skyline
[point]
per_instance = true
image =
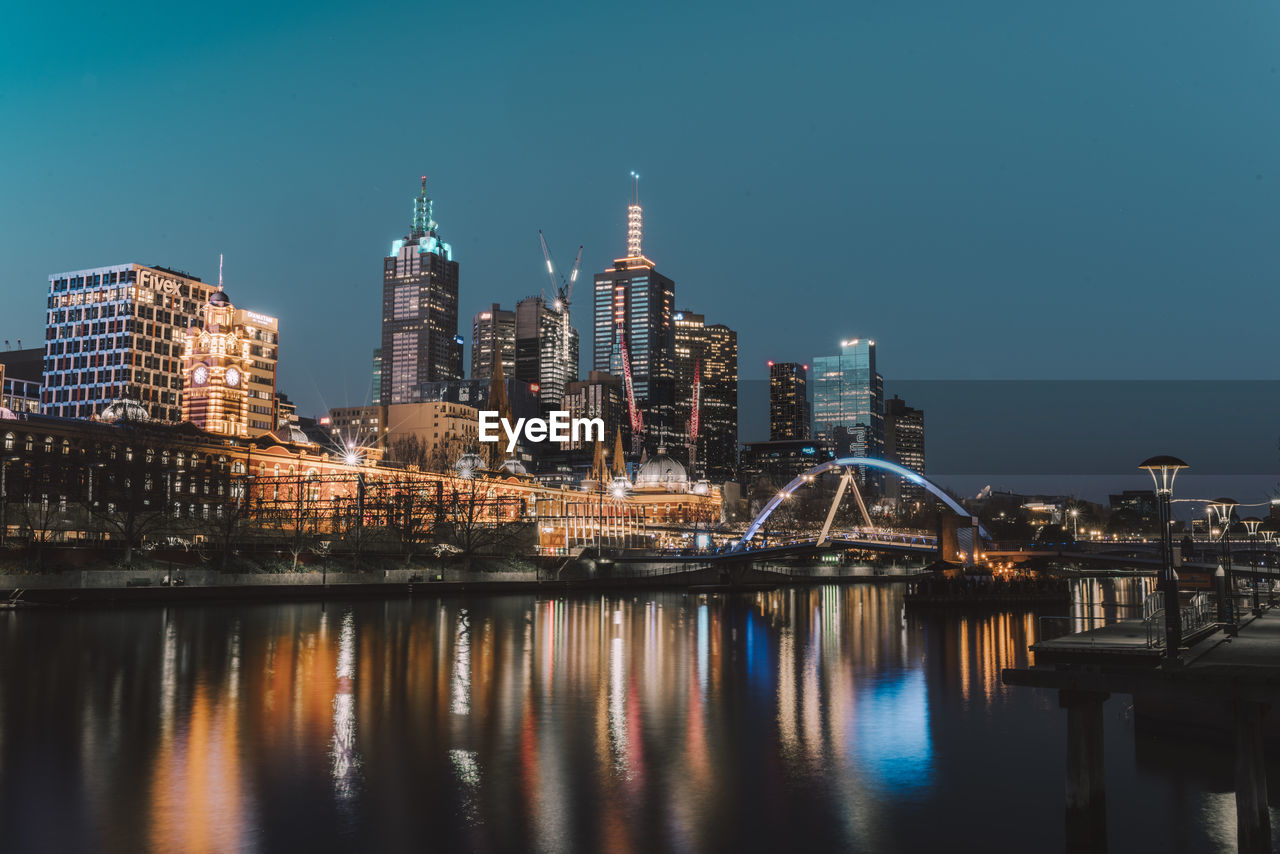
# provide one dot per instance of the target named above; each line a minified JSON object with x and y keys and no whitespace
{"x":1171,"y":210}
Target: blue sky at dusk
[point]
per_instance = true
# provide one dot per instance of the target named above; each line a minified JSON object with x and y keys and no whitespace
{"x":990,"y":190}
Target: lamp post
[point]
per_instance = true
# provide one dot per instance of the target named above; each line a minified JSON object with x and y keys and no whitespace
{"x":1075,"y":524}
{"x":1163,"y":470}
{"x":1251,"y":525}
{"x":1224,"y":509}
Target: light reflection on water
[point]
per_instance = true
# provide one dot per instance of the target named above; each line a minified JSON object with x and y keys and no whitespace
{"x":589,"y":722}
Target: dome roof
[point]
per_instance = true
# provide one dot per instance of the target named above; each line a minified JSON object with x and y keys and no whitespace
{"x":124,"y":410}
{"x":514,"y":467}
{"x":219,"y":297}
{"x":662,"y":471}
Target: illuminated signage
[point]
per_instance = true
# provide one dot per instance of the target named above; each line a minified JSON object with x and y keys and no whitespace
{"x":152,"y":280}
{"x":260,"y":319}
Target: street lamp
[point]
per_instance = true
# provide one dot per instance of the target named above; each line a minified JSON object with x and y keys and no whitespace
{"x":1224,"y":509}
{"x":1075,"y":523}
{"x":1163,"y":471}
{"x":1251,"y":525}
{"x":1268,"y":534}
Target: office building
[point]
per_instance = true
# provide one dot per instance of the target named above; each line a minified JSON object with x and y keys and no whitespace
{"x":432,"y":434}
{"x":420,"y":341}
{"x":769,"y":466}
{"x":788,"y":401}
{"x":706,"y":368}
{"x":375,"y":388}
{"x":904,"y":445}
{"x":353,"y":427}
{"x":600,"y":395}
{"x":848,"y":393}
{"x":546,"y":351}
{"x":493,"y":331}
{"x":633,"y":331}
{"x":117,"y":332}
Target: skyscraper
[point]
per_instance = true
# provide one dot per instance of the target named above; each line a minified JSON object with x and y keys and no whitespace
{"x":493,"y":331}
{"x":848,"y":393}
{"x":420,"y":341}
{"x":904,"y":444}
{"x":706,"y":362}
{"x":375,"y":387}
{"x":546,"y":350}
{"x":788,"y":401}
{"x":634,"y":304}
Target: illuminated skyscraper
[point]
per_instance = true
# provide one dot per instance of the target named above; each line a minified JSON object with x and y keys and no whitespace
{"x":706,"y":361}
{"x":420,"y":341}
{"x":788,"y":401}
{"x":493,"y":331}
{"x":634,"y":304}
{"x":848,"y":393}
{"x":904,"y":444}
{"x":546,"y":351}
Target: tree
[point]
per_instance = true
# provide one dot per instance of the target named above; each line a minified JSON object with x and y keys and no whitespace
{"x":478,"y":520}
{"x":125,"y":495}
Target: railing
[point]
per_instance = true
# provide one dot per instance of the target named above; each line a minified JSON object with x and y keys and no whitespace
{"x":1200,"y":612}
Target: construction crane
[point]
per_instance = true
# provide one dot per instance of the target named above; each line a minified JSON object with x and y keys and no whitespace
{"x":695,"y":414}
{"x":637,"y":420}
{"x":562,"y":289}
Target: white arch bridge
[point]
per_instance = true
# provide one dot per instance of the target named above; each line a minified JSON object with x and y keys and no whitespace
{"x":870,"y":536}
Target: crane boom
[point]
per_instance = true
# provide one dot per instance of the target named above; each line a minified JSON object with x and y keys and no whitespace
{"x":573,"y":277}
{"x":551,"y":272}
{"x":637,"y":420}
{"x":695,"y":412}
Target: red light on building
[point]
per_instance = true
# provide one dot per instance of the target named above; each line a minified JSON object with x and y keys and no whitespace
{"x":535,"y":388}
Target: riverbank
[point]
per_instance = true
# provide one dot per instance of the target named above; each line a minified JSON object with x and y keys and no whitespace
{"x":124,"y":587}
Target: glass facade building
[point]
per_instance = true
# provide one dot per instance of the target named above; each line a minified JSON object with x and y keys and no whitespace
{"x":788,"y":401}
{"x":848,"y":398}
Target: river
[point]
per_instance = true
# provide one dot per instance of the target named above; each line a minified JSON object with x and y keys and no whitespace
{"x":814,"y":718}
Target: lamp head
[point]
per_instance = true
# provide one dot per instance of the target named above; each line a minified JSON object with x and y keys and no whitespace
{"x":1163,"y":469}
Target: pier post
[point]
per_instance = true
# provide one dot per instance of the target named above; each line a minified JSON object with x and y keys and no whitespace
{"x":1253,"y":818}
{"x":1086,"y":814}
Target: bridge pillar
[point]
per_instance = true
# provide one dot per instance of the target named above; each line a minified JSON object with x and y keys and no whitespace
{"x":1253,"y":818}
{"x":958,"y":538}
{"x":1086,"y":813}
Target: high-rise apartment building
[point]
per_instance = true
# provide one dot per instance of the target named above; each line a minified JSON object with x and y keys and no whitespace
{"x":706,"y":368}
{"x":546,"y":350}
{"x":633,"y":330}
{"x":261,"y":333}
{"x":848,"y":393}
{"x":117,"y":333}
{"x":420,"y":341}
{"x":788,"y":401}
{"x":493,"y":331}
{"x":904,"y":445}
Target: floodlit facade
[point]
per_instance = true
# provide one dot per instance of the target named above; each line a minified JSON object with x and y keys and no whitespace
{"x":117,"y":333}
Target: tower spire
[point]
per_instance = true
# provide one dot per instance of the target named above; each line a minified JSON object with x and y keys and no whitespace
{"x":421,"y":212}
{"x":219,"y":271}
{"x":635,"y":220}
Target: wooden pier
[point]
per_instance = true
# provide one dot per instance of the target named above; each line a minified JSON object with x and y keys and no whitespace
{"x":1224,"y":677}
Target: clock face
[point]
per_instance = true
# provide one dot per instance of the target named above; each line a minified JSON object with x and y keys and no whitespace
{"x":200,"y":375}
{"x":233,"y":377}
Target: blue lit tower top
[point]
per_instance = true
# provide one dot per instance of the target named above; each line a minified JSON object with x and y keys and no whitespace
{"x":422,"y":231}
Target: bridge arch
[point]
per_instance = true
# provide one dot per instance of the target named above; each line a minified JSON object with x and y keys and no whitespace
{"x":848,"y":462}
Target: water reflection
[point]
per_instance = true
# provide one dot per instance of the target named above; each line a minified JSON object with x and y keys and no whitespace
{"x":636,"y":722}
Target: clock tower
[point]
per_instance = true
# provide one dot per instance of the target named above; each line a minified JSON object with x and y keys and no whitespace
{"x":215,"y":368}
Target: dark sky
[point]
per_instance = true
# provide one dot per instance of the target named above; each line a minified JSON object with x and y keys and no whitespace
{"x":991,"y":190}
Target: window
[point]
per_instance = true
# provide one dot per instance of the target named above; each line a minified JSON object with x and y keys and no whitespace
{"x":9,"y":440}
